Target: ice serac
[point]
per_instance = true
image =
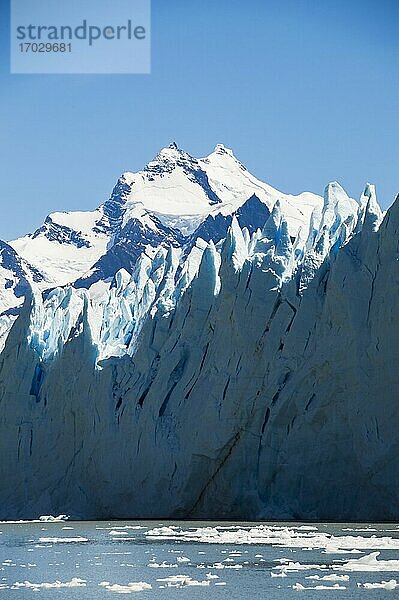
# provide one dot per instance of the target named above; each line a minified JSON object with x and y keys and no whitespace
{"x":233,"y":360}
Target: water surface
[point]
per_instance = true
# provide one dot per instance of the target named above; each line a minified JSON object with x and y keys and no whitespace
{"x":168,"y":560}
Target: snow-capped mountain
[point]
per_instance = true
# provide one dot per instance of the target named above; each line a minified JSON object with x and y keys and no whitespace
{"x":168,"y":200}
{"x":201,"y":345}
{"x":173,"y":201}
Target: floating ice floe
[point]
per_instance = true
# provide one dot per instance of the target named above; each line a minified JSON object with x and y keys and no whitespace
{"x":162,"y":565}
{"x":299,"y":587}
{"x":8,"y":563}
{"x":75,"y":582}
{"x":179,"y":581}
{"x":62,"y":540}
{"x":292,"y":567}
{"x":121,"y":527}
{"x":332,"y":577}
{"x":289,"y":537}
{"x":369,"y":563}
{"x":359,"y":529}
{"x":133,"y":586}
{"x":392,"y":584}
{"x":41,"y":519}
{"x":219,"y":565}
{"x":366,"y":563}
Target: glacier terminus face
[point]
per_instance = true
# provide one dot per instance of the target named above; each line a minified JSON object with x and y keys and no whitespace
{"x":202,"y":345}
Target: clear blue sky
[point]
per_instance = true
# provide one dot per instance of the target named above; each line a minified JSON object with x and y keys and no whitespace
{"x":305,"y":92}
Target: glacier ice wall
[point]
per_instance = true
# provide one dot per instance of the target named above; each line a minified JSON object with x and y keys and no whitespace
{"x":256,"y":378}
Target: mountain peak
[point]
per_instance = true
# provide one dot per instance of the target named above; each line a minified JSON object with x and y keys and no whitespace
{"x":222,"y":149}
{"x":171,"y":153}
{"x":224,"y":156}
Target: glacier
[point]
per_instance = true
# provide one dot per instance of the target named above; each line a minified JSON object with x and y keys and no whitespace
{"x":203,"y":346}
